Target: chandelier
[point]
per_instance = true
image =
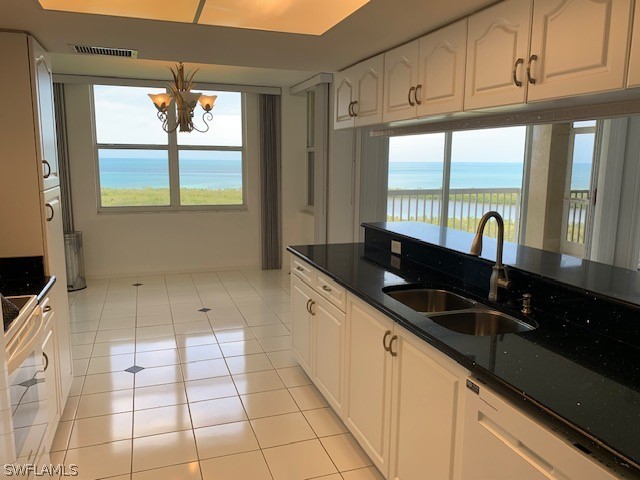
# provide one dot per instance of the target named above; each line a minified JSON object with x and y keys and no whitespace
{"x":185,"y":102}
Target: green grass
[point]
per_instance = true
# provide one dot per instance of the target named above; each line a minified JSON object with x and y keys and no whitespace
{"x":138,"y":197}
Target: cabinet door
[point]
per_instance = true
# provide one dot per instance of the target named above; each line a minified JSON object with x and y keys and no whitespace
{"x":45,"y":117}
{"x":368,"y":380}
{"x":369,"y":78}
{"x":581,"y":46}
{"x":497,"y":52}
{"x":329,"y":350}
{"x":633,"y":80}
{"x":400,"y":79}
{"x":56,"y":265}
{"x":51,"y":379}
{"x":343,"y":94}
{"x":443,"y":55}
{"x":424,"y":412}
{"x":301,"y":323}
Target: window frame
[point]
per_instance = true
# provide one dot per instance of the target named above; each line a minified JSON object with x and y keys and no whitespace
{"x":172,"y":148}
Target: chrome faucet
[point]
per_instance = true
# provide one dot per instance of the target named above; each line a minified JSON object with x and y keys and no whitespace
{"x":499,"y":277}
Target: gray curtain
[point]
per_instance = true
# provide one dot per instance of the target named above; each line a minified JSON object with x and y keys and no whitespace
{"x":63,"y":157}
{"x":269,"y":112}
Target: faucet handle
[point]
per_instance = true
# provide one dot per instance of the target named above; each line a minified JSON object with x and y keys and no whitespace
{"x":526,"y":303}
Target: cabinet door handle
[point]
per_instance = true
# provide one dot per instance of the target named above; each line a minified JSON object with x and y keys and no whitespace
{"x":416,"y":95}
{"x":393,"y":339}
{"x":47,"y":172}
{"x":384,"y":340}
{"x":517,"y":82}
{"x":46,"y":361}
{"x":50,"y":208}
{"x":411,"y":92}
{"x":353,"y":108}
{"x":532,"y":59}
{"x":326,"y":288}
{"x":308,"y":302}
{"x":350,"y":109}
{"x":311,"y":308}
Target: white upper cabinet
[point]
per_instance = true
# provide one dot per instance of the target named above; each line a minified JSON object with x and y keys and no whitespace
{"x":497,"y":50}
{"x":401,"y":78}
{"x":358,"y":94}
{"x":633,"y":80}
{"x":578,"y":46}
{"x":441,"y":71}
{"x":344,"y":95}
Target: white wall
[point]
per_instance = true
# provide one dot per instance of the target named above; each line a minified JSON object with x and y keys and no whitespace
{"x":297,"y":224}
{"x":138,"y":243}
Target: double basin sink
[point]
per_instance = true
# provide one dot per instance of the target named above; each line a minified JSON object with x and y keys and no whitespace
{"x":456,"y":312}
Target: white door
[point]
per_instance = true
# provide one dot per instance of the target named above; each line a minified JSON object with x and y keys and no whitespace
{"x":302,"y":323}
{"x":344,"y":96}
{"x":633,"y":79}
{"x":443,"y":56}
{"x":424,"y":412}
{"x":497,"y":52}
{"x":329,"y":349}
{"x":400,"y":79}
{"x":46,"y":118}
{"x":56,"y":265}
{"x":581,"y":47}
{"x":369,"y":79}
{"x":368,"y":380}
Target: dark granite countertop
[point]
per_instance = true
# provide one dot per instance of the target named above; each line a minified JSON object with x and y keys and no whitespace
{"x":37,"y":285}
{"x":585,"y":384}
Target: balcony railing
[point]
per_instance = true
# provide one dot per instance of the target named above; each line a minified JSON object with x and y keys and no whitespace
{"x":463,"y":210}
{"x":579,"y":201}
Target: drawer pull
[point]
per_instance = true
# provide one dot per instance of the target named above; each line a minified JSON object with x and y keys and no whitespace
{"x":326,"y":288}
{"x":384,"y":340}
{"x":393,"y":339}
{"x":50,"y":208}
{"x":47,"y":308}
{"x":300,"y":269}
{"x":46,"y":361}
{"x":47,"y":172}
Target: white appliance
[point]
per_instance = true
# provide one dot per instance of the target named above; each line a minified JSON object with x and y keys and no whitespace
{"x":503,"y":443}
{"x":24,"y":418}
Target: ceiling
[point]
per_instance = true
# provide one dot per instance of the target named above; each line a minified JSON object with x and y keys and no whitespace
{"x":309,"y":17}
{"x":249,"y":56}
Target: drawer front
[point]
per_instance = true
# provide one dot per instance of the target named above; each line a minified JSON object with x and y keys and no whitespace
{"x":303,"y":270}
{"x":331,"y":291}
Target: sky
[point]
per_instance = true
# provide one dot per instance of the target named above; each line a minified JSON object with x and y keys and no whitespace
{"x":499,"y":145}
{"x":127,"y":115}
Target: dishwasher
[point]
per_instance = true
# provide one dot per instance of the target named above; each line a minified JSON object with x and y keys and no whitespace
{"x":503,"y":443}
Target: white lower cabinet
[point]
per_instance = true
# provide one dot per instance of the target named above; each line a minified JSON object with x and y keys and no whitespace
{"x":301,"y":323}
{"x":401,"y":402}
{"x":50,"y":358}
{"x":426,"y":399}
{"x":368,"y":380}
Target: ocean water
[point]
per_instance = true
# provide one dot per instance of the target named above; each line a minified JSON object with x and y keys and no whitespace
{"x":223,"y":173}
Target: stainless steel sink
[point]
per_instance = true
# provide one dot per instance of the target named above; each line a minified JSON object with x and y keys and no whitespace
{"x":430,"y":300}
{"x":482,"y":322}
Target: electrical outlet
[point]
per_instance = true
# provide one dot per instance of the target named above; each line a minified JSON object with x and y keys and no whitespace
{"x":396,"y":247}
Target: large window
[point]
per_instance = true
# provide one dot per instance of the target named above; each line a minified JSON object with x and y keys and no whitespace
{"x":141,"y":167}
{"x":474,"y":171}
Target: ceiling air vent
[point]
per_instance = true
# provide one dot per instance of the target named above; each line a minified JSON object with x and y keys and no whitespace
{"x":108,"y":51}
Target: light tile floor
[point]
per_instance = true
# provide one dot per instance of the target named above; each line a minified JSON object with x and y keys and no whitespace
{"x":220,"y":397}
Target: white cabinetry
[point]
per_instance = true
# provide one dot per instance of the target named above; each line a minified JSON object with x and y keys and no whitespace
{"x":29,"y":182}
{"x":400,"y":79}
{"x":358,"y":94}
{"x":502,"y":443}
{"x":50,"y":354}
{"x":402,"y":397}
{"x":578,"y":46}
{"x":318,"y":329}
{"x":497,"y":52}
